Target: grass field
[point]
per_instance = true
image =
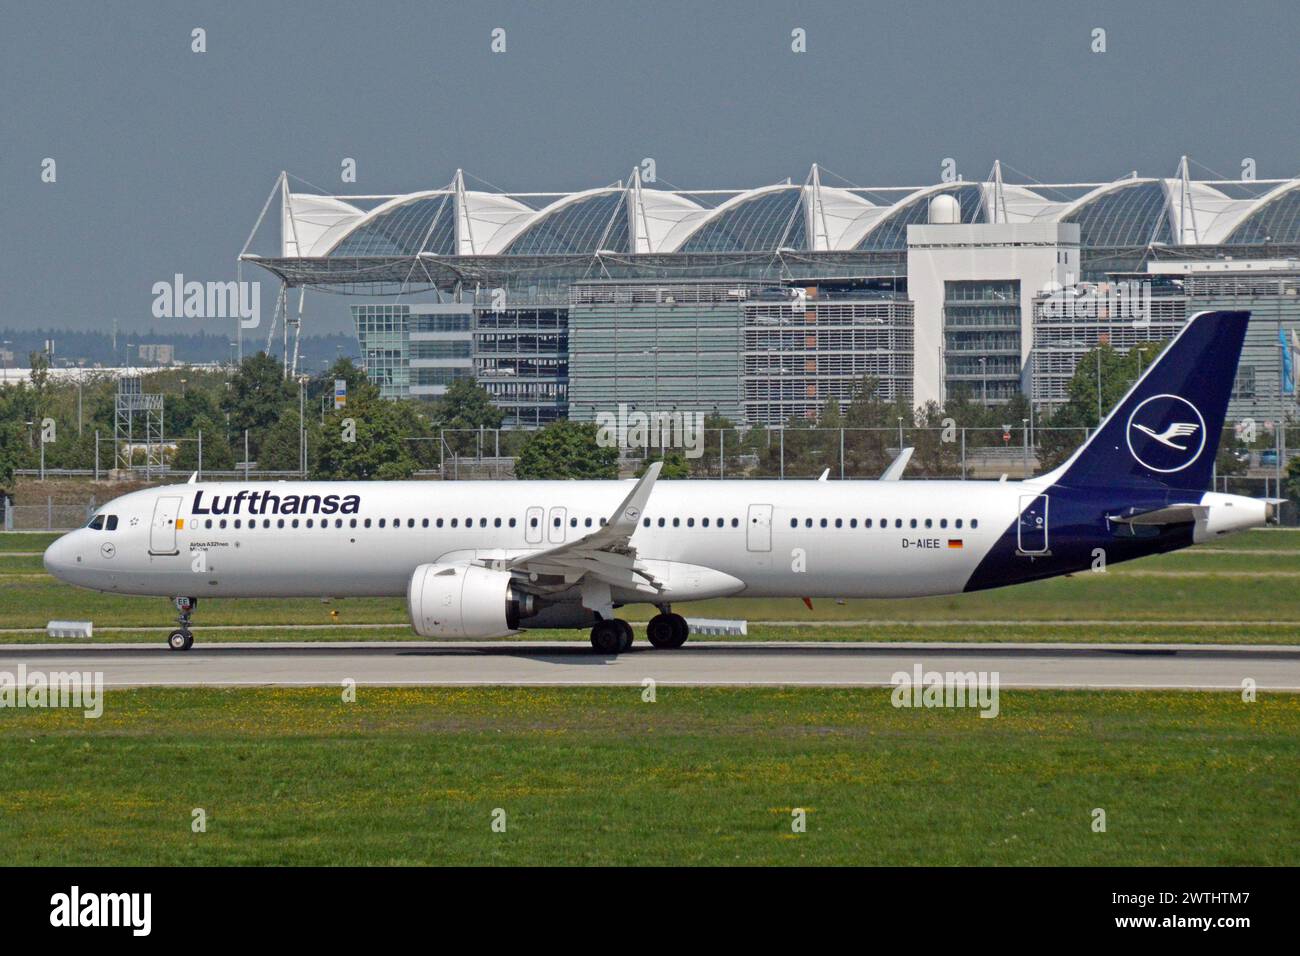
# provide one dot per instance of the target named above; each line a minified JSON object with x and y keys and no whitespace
{"x":413,"y":776}
{"x":1245,"y":589}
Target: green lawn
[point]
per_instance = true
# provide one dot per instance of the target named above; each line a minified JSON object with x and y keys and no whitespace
{"x":1251,"y":594}
{"x":412,"y":776}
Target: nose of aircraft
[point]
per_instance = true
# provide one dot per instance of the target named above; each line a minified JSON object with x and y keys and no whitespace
{"x":60,"y":557}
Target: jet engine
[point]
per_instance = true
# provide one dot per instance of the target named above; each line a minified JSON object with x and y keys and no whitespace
{"x":465,"y":601}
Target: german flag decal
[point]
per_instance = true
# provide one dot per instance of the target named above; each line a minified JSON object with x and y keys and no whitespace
{"x":954,"y":544}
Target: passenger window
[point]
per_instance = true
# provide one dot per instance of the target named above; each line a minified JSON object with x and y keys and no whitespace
{"x":794,"y":522}
{"x":912,"y":523}
{"x":958,"y":522}
{"x":661,"y":522}
{"x":366,"y":523}
{"x":587,"y":523}
{"x":532,"y":522}
{"x":823,"y":522}
{"x":237,"y":522}
{"x":929,"y":523}
{"x":690,"y":522}
{"x":839,"y":522}
{"x":898,"y":522}
{"x":221,"y":523}
{"x":807,"y":522}
{"x":352,"y":522}
{"x":677,"y":522}
{"x":943,"y":522}
{"x":512,"y":522}
{"x":438,"y":523}
{"x":338,"y":522}
{"x":705,"y":522}
{"x":573,"y":522}
{"x":496,"y":522}
{"x":482,"y":522}
{"x":295,"y":522}
{"x":383,"y":522}
{"x":853,"y":522}
{"x":974,"y":522}
{"x":410,"y":522}
{"x":866,"y":523}
{"x":455,"y":522}
{"x":555,"y":523}
{"x":208,"y":523}
{"x":424,"y":523}
{"x":645,"y":522}
{"x":735,"y":522}
{"x":308,"y":522}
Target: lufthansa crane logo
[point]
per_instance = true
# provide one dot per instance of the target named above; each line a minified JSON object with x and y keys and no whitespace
{"x":1166,"y":433}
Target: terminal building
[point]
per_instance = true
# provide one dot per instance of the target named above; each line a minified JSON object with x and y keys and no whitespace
{"x":763,"y":304}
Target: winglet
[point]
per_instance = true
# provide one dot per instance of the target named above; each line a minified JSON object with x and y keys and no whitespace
{"x":623,"y":520}
{"x":194,"y":476}
{"x":896,"y":467}
{"x":824,"y":475}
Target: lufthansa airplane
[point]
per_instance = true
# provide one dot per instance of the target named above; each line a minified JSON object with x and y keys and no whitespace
{"x":482,"y":559}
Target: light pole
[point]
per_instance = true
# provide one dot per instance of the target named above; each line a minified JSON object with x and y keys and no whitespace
{"x":302,"y":425}
{"x":1024,"y":428}
{"x":1099,"y":385}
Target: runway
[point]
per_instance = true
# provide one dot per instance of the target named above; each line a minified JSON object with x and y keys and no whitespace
{"x":704,"y":663}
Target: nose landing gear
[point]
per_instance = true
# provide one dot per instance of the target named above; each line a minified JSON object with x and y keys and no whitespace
{"x":181,"y":639}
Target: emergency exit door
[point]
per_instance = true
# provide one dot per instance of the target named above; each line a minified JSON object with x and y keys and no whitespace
{"x":758,"y":528}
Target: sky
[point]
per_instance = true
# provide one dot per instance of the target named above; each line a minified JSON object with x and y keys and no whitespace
{"x":164,"y":156}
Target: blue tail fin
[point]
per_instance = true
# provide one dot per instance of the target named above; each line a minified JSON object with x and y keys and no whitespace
{"x":1166,"y":430}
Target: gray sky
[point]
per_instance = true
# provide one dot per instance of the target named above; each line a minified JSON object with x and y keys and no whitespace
{"x":164,"y":156}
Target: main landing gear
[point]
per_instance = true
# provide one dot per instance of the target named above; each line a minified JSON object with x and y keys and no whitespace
{"x":665,"y":630}
{"x":668,"y":630}
{"x":181,"y":639}
{"x":611,"y":636}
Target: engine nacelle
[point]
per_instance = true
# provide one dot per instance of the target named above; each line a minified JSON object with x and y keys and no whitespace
{"x":464,"y":601}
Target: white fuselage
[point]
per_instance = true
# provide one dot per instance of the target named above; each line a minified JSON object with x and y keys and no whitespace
{"x":708,"y":538}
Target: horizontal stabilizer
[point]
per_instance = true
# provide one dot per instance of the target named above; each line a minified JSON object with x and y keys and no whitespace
{"x":1171,"y":514}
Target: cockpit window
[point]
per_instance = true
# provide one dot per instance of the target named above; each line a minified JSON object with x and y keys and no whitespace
{"x":111,"y":524}
{"x":97,"y":523}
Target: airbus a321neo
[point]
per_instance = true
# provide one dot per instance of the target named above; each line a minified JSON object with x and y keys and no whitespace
{"x":480,"y":559}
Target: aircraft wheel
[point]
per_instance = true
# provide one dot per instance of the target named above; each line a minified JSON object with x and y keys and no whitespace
{"x":180,"y":640}
{"x":628,"y":634}
{"x":668,"y":631}
{"x":607,"y":636}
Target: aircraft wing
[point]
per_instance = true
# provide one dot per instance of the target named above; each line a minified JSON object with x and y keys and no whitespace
{"x":606,"y":554}
{"x":1170,"y":514}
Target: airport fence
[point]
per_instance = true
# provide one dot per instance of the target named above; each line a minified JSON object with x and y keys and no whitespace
{"x":1253,"y":464}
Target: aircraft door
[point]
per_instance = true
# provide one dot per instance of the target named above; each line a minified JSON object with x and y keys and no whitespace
{"x":555,"y":526}
{"x":162,"y":533}
{"x":1032,"y":529}
{"x":758,"y":528}
{"x":533,"y":519}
